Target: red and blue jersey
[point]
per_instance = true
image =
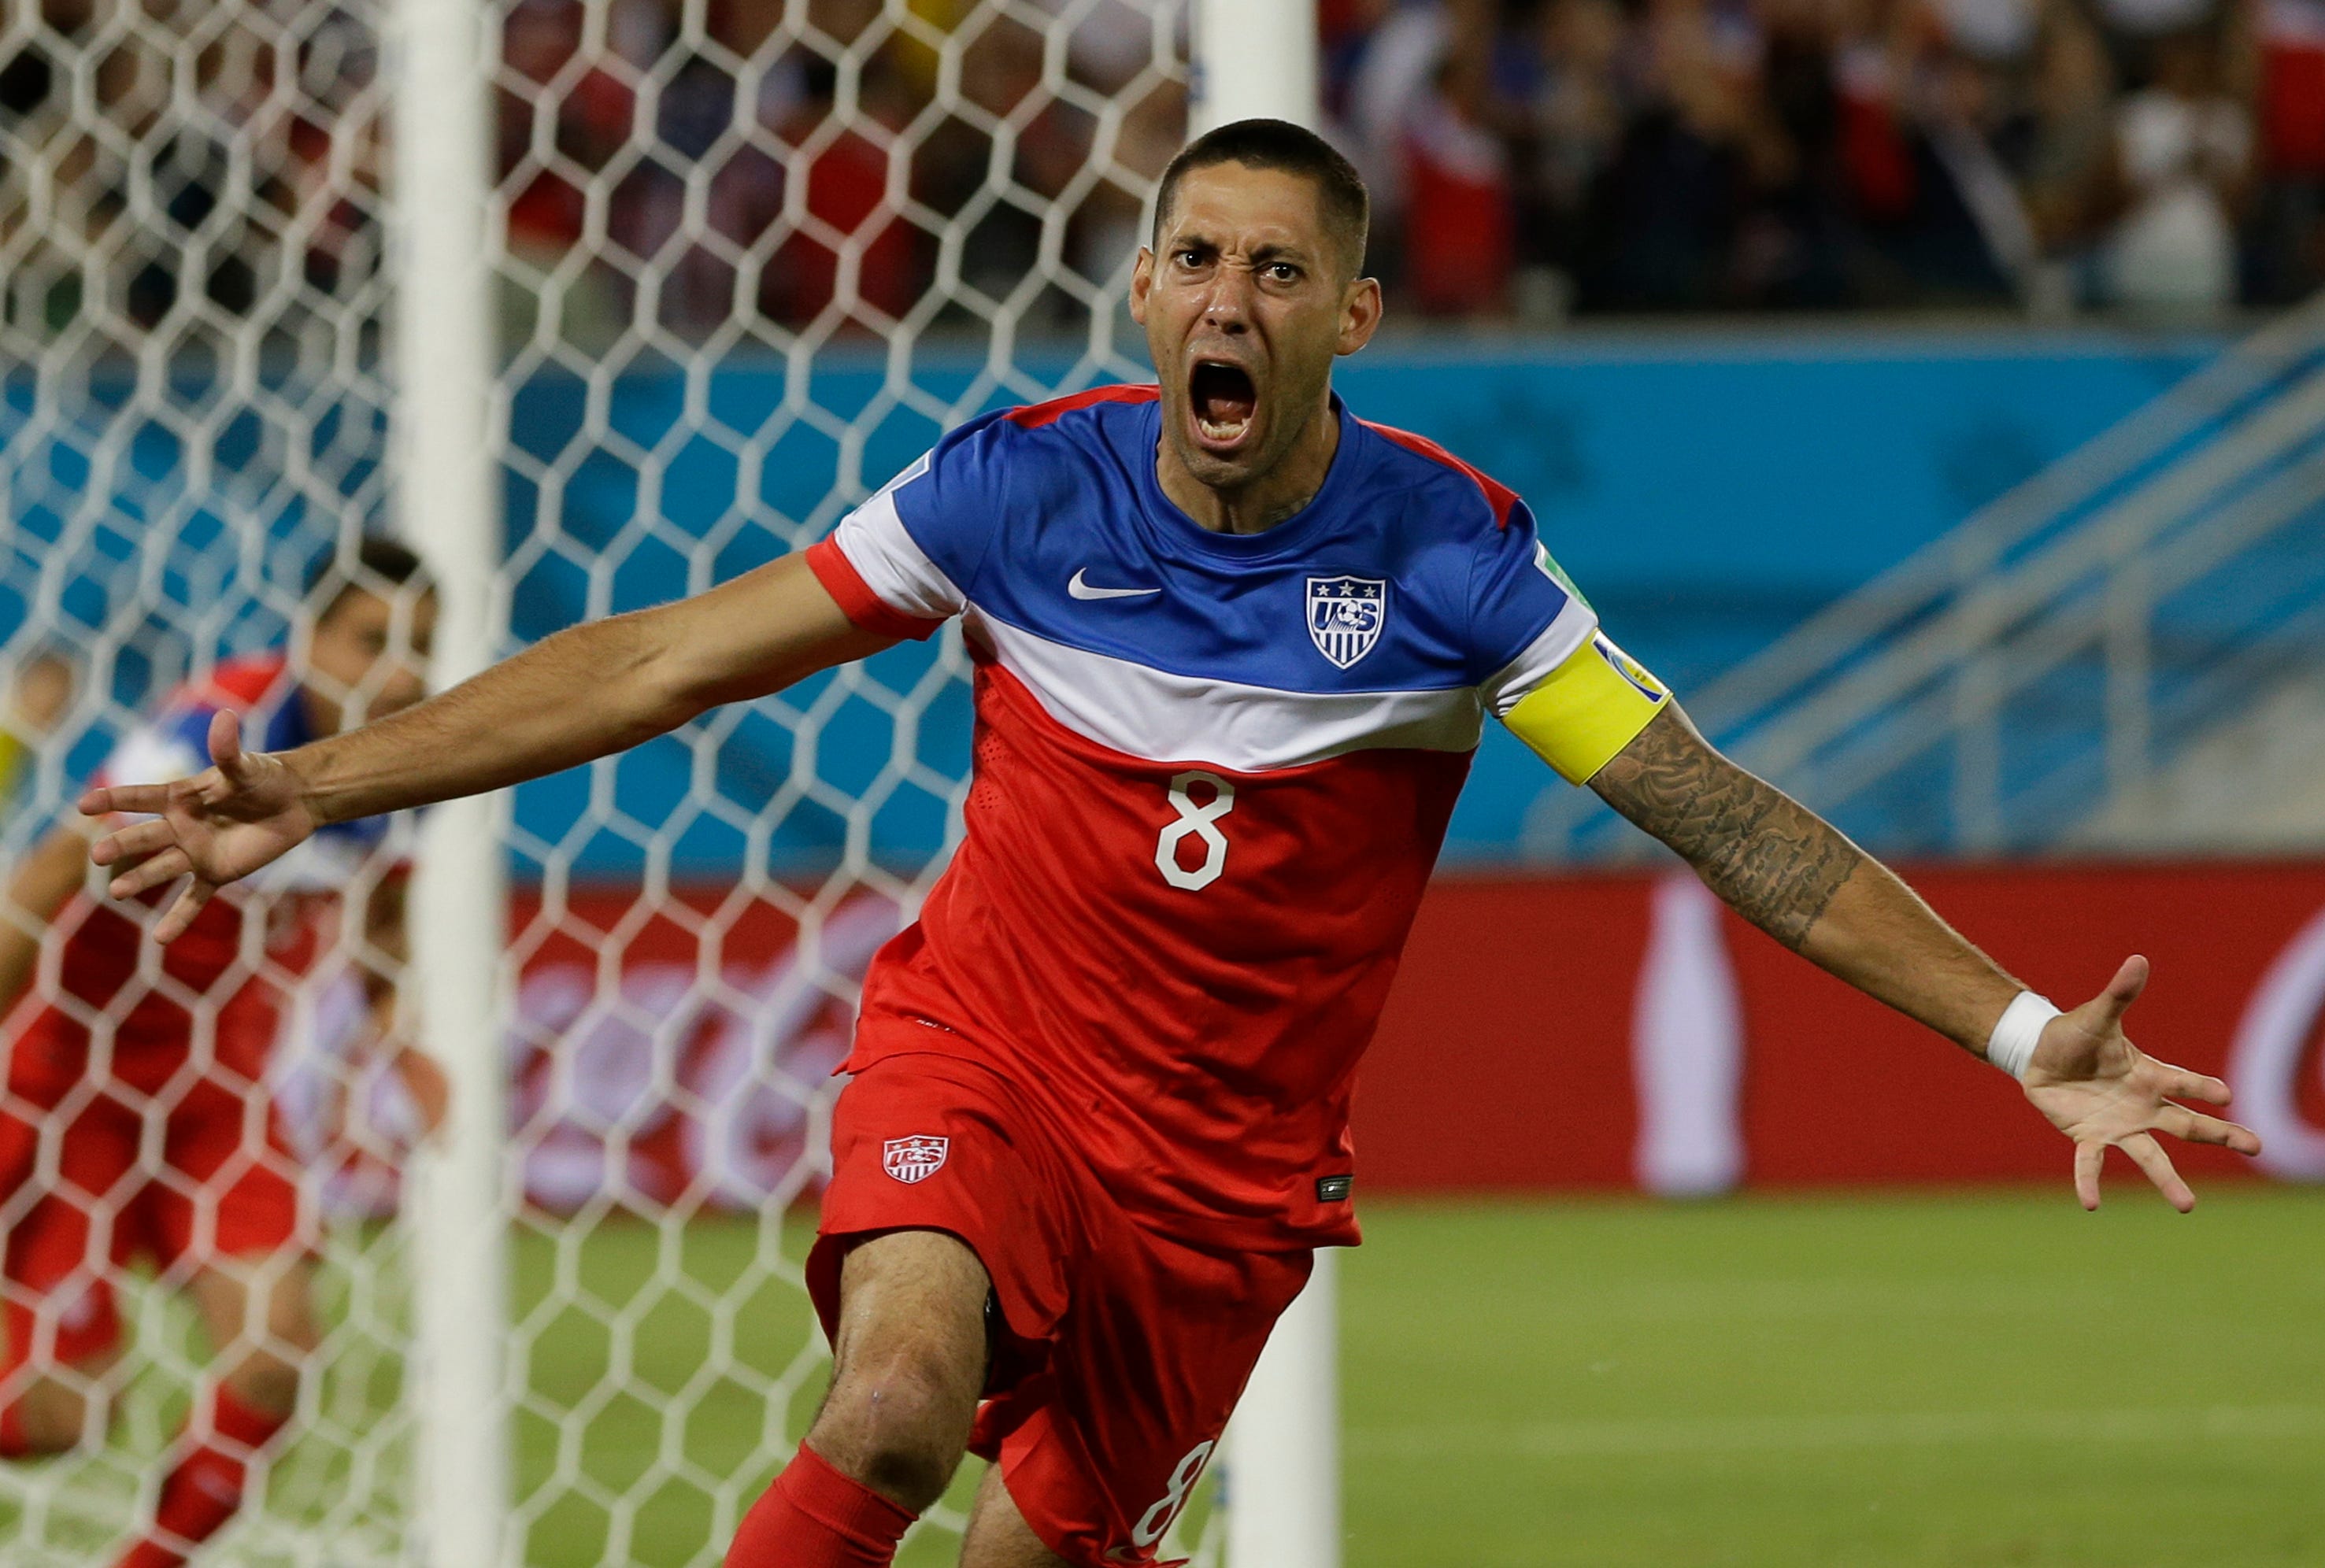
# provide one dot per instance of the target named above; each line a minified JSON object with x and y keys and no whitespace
{"x":217,"y":988}
{"x":1212,"y":774}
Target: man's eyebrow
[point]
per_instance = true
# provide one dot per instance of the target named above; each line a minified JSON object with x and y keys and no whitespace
{"x":1261,"y":256}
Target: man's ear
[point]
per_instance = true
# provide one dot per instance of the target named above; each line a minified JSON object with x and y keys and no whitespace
{"x":1361,"y":315}
{"x":1142,"y":282}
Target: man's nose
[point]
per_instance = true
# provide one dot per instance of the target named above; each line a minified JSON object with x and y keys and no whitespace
{"x":1229,"y":308}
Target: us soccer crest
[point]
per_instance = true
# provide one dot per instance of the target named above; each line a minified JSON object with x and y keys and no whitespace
{"x":1345,"y":615}
{"x":915,"y":1158}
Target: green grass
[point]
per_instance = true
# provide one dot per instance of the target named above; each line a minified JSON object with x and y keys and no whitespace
{"x":1937,"y":1381}
{"x":1990,"y":1379}
{"x":1958,"y":1380}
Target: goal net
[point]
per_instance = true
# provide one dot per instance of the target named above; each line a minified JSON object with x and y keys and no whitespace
{"x":748,"y":258}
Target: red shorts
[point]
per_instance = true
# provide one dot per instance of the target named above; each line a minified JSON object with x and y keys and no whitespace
{"x":1123,"y":1350}
{"x":78,"y":1200}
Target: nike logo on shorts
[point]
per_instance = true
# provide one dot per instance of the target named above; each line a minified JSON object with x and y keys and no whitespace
{"x":1082,"y":590}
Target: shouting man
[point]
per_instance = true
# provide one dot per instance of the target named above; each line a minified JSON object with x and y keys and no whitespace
{"x":1234,"y":648}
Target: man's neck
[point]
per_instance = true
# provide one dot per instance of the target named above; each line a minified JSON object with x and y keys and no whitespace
{"x":1275,"y":496}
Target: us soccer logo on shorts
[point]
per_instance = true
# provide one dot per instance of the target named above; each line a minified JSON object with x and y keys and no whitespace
{"x":1344,"y":617}
{"x":915,"y":1158}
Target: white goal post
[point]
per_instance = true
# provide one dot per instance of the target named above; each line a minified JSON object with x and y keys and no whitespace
{"x":440,"y":422}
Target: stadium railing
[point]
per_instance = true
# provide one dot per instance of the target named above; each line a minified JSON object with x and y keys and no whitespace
{"x":1997,"y":689}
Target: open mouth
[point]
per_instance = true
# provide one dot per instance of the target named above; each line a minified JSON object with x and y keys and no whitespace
{"x":1224,"y":401}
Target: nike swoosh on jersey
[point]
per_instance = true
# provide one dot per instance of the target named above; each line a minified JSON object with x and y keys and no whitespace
{"x":1082,"y":590}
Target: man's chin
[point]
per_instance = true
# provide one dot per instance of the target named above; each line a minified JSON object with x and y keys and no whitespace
{"x":1214,"y":470}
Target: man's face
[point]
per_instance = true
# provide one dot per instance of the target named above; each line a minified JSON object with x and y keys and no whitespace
{"x":367,"y":657}
{"x":1246,"y":300}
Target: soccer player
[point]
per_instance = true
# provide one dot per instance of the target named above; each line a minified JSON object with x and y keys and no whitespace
{"x":136,"y":1117}
{"x":1233,"y":647}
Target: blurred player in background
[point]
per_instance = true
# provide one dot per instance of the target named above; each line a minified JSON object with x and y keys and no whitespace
{"x":137,"y":1119}
{"x":39,"y":691}
{"x":1234,"y":648}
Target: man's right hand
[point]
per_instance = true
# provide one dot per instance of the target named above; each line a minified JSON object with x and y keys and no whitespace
{"x":216,"y":827}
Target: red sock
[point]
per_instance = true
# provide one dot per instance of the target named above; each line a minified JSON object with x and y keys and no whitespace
{"x":813,"y":1516}
{"x":204,"y":1488}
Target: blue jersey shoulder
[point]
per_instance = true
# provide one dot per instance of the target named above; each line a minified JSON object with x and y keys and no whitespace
{"x":1030,"y":463}
{"x":1464,"y":497}
{"x":1512,"y":591}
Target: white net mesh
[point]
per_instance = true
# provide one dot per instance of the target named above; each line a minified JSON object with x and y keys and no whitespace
{"x":190,"y":416}
{"x":754,"y":257}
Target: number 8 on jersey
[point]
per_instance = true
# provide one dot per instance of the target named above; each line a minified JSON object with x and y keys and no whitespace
{"x":1200,"y":821}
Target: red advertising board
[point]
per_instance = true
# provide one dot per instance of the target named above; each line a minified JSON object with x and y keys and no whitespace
{"x":1513,"y":1054}
{"x":1545,"y":1032}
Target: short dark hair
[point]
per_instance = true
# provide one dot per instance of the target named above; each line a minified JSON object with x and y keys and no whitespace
{"x":377,"y":565}
{"x":1280,"y":144}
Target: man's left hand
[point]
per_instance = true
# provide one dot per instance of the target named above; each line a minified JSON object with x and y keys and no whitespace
{"x":2099,"y":1088}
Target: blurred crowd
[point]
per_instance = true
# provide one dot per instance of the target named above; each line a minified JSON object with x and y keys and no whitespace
{"x":1538,"y":155}
{"x":861,"y":162}
{"x":849,"y":165}
{"x":1530,"y":158}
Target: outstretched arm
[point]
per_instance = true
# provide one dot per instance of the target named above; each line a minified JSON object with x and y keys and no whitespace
{"x":587,"y":692}
{"x":1799,"y":878}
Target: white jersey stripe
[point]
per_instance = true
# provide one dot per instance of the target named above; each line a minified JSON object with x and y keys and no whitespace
{"x":1157,"y":717}
{"x":875,"y":542}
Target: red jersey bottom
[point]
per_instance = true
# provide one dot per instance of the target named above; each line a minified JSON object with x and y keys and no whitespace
{"x":1123,"y":1350}
{"x":78,"y":1200}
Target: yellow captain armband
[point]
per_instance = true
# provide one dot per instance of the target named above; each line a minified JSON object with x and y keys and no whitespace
{"x":1587,"y":709}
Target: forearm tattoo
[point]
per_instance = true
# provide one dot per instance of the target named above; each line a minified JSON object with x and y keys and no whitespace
{"x":1768,"y":857}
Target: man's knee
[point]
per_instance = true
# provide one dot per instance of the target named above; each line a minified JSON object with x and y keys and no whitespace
{"x":55,"y":1415}
{"x":910,"y":1364}
{"x":898,"y":1424}
{"x":266,"y":1383}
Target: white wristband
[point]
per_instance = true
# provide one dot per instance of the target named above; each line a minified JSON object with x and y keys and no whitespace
{"x":2018,"y":1031}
